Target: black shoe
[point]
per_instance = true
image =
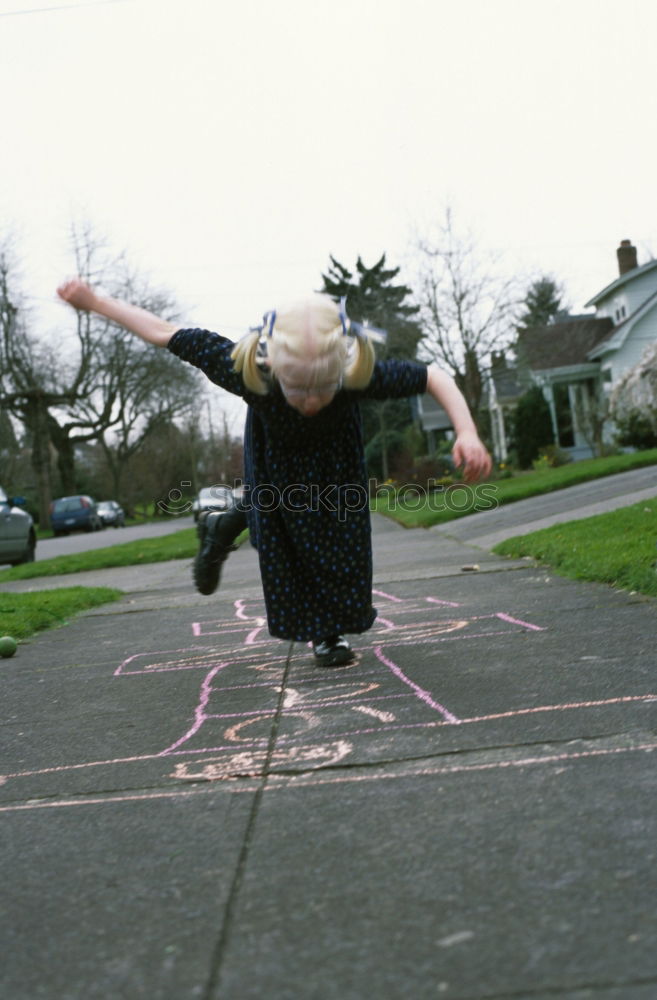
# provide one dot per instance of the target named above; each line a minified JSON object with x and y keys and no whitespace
{"x":211,"y":555}
{"x":334,"y":651}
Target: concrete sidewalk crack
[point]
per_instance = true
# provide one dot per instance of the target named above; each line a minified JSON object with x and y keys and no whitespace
{"x":557,"y":991}
{"x":219,"y":952}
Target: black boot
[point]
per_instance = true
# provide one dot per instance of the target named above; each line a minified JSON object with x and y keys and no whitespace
{"x":212,"y":553}
{"x":334,"y":651}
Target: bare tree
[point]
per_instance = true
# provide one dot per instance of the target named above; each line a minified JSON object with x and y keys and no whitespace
{"x":466,"y":308}
{"x":28,"y":377}
{"x":145,"y":390}
{"x":110,"y":387}
{"x":123,"y":388}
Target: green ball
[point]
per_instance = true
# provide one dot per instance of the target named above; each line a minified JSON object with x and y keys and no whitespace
{"x":8,"y":646}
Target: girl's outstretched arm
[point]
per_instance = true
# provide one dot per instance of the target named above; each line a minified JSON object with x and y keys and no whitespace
{"x":468,"y":451}
{"x":145,"y":324}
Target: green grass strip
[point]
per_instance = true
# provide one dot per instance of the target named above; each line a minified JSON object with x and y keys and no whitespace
{"x":23,"y":614}
{"x":179,"y":545}
{"x":619,"y":548}
{"x":485,"y":496}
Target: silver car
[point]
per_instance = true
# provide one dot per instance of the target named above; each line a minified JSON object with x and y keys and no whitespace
{"x":17,"y":534}
{"x":110,"y":512}
{"x":217,"y":497}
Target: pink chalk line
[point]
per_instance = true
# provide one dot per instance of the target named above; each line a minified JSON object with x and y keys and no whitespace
{"x":253,"y":634}
{"x":199,"y":712}
{"x":420,"y":692}
{"x":281,"y":780}
{"x":436,"y":600}
{"x":388,"y":597}
{"x":517,"y":621}
{"x":240,"y":613}
{"x":194,"y":654}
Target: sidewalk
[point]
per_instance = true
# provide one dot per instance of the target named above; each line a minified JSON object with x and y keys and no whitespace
{"x":191,"y":809}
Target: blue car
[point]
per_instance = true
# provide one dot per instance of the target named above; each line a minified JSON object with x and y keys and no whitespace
{"x":77,"y":513}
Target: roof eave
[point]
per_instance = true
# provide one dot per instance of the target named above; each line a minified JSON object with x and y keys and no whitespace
{"x":619,"y":282}
{"x":565,"y":371}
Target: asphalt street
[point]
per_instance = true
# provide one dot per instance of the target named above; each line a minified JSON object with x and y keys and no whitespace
{"x":82,"y":541}
{"x":192,"y":809}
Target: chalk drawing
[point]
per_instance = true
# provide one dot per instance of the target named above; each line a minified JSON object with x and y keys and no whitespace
{"x":283,"y":782}
{"x":374,"y":712}
{"x":240,"y":688}
{"x":250,"y":762}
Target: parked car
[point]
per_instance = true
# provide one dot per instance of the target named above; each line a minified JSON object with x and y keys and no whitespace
{"x":76,"y":513}
{"x":212,"y":498}
{"x":110,"y":512}
{"x":17,"y":534}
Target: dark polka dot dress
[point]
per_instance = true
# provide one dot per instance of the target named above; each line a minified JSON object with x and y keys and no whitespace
{"x":307,"y":493}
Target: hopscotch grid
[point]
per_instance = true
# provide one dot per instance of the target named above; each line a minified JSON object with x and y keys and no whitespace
{"x":392,"y":635}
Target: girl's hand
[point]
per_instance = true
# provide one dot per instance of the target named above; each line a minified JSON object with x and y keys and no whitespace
{"x":469,"y":452}
{"x":78,"y":294}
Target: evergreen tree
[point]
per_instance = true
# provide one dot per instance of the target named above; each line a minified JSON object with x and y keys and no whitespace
{"x":372,"y":297}
{"x":533,"y":426}
{"x":542,"y":304}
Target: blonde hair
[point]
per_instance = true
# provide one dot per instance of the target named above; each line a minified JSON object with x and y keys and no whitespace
{"x":307,"y":335}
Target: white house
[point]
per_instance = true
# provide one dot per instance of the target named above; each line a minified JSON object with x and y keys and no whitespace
{"x":631,"y":303}
{"x":574,"y":361}
{"x":577,"y":361}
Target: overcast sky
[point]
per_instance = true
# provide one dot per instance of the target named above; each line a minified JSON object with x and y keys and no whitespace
{"x":230,"y":147}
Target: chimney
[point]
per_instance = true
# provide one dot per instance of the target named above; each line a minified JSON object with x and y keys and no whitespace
{"x":626,"y":254}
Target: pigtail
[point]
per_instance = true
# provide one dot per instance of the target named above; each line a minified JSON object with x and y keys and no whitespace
{"x":248,"y":364}
{"x":360,"y":364}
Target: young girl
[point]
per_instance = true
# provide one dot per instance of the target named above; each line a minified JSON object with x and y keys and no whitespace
{"x":302,"y":374}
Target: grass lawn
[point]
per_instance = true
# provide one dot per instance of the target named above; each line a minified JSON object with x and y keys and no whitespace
{"x":23,"y":614}
{"x":459,"y":501}
{"x":619,"y":548}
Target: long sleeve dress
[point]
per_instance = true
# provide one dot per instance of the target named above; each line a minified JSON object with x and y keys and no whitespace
{"x":306,"y":493}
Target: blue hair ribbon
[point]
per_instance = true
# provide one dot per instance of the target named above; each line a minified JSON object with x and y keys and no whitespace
{"x":351,"y":328}
{"x":343,"y":315}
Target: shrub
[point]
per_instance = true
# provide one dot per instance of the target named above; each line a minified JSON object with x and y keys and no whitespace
{"x":532,"y":426}
{"x":426,"y":471}
{"x":637,"y":430}
{"x":551,"y":457}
